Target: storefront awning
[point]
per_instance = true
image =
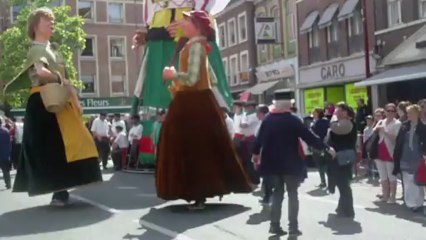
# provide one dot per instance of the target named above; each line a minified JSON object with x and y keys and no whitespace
{"x":260,"y":88}
{"x":328,"y":15}
{"x":348,"y":9}
{"x":20,"y":112}
{"x":398,"y":74}
{"x":309,"y":22}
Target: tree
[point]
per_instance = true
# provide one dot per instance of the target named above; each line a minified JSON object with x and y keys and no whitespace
{"x":14,"y":44}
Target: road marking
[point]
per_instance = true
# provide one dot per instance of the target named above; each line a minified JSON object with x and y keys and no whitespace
{"x":98,"y":205}
{"x":167,"y":232}
{"x":325,"y":200}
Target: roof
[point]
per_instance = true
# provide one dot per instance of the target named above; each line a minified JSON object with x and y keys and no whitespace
{"x":347,"y":9}
{"x":397,"y":74}
{"x":328,"y":15}
{"x":309,"y":22}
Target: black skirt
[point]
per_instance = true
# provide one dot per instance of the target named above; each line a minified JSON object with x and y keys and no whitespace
{"x":42,"y":166}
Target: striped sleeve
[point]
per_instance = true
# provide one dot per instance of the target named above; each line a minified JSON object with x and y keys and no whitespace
{"x":191,"y":77}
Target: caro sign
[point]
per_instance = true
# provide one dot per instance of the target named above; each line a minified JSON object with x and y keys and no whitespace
{"x":333,"y":71}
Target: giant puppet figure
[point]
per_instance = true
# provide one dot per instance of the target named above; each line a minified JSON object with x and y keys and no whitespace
{"x":161,"y":46}
{"x":162,"y":17}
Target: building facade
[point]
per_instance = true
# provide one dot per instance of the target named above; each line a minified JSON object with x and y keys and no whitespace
{"x":235,"y":32}
{"x":108,"y":67}
{"x":331,"y":51}
{"x":276,"y":58}
{"x":400,"y":34}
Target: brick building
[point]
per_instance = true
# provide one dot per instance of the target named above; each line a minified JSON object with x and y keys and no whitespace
{"x":236,"y":41}
{"x":107,"y":66}
{"x":400,"y":34}
{"x":276,"y":60}
{"x":331,"y":51}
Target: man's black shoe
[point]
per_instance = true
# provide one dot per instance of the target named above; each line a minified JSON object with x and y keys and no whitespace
{"x":277,"y":230}
{"x":295,"y":233}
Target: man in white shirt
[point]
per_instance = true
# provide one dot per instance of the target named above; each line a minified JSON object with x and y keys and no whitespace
{"x":100,"y":130}
{"x":17,"y":144}
{"x":119,"y":148}
{"x":135,"y":135}
{"x":248,"y":126}
{"x":229,"y":123}
{"x":117,"y":121}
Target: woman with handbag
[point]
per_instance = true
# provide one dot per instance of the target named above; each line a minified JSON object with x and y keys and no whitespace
{"x":388,"y":130}
{"x":409,"y":156}
{"x":342,"y":137}
{"x":58,"y":152}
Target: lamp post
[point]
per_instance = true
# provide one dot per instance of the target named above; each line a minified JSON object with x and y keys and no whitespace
{"x":366,"y":43}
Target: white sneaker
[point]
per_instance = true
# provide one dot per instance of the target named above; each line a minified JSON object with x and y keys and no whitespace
{"x":392,"y":201}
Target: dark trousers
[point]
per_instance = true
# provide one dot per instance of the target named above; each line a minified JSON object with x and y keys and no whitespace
{"x":321,"y":162}
{"x":280,"y":183}
{"x":245,"y":148}
{"x":103,"y":150}
{"x":267,"y":187}
{"x":5,"y":168}
{"x":343,"y":175}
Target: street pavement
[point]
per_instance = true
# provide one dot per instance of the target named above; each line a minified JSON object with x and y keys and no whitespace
{"x":125,"y":206}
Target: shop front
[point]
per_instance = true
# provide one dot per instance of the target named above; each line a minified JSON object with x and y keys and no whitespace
{"x":403,"y":75}
{"x":277,"y":76}
{"x":95,"y":106}
{"x":333,"y":82}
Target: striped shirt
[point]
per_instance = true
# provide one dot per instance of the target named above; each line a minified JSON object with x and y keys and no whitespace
{"x":196,"y":54}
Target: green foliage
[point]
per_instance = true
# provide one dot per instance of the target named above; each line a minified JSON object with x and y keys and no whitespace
{"x":14,"y":44}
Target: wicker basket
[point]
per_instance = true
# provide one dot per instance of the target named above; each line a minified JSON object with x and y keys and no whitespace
{"x":54,"y":96}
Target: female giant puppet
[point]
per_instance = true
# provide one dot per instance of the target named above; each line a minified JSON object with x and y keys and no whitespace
{"x":162,"y":17}
{"x":58,"y":152}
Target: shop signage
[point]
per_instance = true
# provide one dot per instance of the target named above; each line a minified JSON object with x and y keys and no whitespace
{"x":353,"y":94}
{"x":104,"y":102}
{"x":275,"y":71}
{"x":313,"y":98}
{"x":266,"y":30}
{"x":333,"y":71}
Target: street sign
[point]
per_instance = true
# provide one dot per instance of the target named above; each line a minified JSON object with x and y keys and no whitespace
{"x":266,"y":30}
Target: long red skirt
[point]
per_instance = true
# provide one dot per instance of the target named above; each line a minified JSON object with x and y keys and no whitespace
{"x":196,"y":158}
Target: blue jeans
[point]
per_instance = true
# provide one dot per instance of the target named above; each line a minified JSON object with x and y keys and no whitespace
{"x":280,"y":183}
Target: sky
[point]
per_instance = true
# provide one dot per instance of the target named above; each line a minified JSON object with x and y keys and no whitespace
{"x":219,"y":6}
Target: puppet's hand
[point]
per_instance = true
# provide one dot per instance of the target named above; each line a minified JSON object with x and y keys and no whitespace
{"x":138,"y":39}
{"x":173,"y":28}
{"x":168,"y":73}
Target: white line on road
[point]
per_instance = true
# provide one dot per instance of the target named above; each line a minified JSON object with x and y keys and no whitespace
{"x":325,"y":200}
{"x":98,"y":205}
{"x":164,"y":231}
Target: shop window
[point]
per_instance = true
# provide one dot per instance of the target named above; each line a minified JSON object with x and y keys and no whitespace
{"x":85,"y":9}
{"x":355,"y":32}
{"x":88,"y":83}
{"x":314,"y":50}
{"x":333,"y":39}
{"x":117,"y":84}
{"x":244,"y":66}
{"x":115,"y":13}
{"x":277,"y":48}
{"x":394,"y":12}
{"x":234,"y":70}
{"x":117,"y":49}
{"x":226,"y":67}
{"x":89,"y":49}
{"x":291,"y":22}
{"x":422,"y":8}
{"x":242,"y":27}
{"x":222,"y":35}
{"x":232,"y":32}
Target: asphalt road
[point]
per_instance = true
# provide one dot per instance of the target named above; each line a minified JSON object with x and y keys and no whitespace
{"x":125,"y":206}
